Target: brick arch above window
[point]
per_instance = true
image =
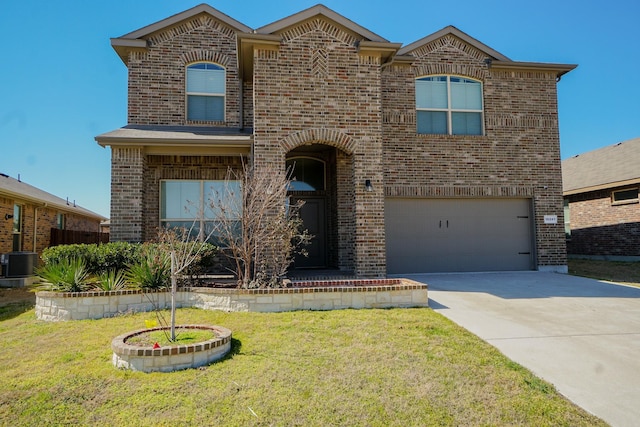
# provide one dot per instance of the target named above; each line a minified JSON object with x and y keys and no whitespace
{"x":205,"y":56}
{"x":329,"y":137}
{"x":463,"y":70}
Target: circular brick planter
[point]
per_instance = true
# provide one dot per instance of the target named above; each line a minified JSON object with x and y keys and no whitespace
{"x":170,"y":358}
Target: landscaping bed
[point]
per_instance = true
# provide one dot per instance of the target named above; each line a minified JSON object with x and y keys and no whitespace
{"x":330,"y":295}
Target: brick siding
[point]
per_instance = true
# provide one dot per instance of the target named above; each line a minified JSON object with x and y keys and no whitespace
{"x":316,"y":87}
{"x":46,"y":220}
{"x":600,"y":228}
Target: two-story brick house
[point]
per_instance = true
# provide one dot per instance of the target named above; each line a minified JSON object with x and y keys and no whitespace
{"x":442,"y":155}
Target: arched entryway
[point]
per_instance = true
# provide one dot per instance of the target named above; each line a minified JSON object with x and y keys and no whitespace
{"x":322,"y":178}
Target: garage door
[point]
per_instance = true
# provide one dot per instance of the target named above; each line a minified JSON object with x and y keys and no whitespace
{"x":445,"y":235}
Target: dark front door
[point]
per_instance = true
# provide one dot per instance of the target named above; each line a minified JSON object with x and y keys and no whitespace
{"x":313,"y":217}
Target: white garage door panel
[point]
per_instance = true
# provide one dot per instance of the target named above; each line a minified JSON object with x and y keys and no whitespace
{"x":430,"y":235}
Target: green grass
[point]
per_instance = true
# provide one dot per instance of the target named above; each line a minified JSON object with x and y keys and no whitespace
{"x":163,"y":337}
{"x":399,"y":367}
{"x":619,"y":272}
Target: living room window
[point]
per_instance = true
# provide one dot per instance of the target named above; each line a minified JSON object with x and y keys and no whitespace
{"x":202,"y":206}
{"x":628,"y":195}
{"x":449,"y":105}
{"x":206,"y":83}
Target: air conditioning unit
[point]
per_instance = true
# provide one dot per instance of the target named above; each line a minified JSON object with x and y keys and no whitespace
{"x":20,"y":264}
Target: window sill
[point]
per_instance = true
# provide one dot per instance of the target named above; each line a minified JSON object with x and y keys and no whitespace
{"x":625,"y":202}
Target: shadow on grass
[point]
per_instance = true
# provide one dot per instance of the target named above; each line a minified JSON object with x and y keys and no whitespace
{"x":236,"y":346}
{"x":12,"y":310}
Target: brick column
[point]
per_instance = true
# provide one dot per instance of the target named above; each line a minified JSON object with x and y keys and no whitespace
{"x":127,"y":194}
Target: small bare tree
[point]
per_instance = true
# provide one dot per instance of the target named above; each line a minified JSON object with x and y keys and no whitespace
{"x":184,"y":251}
{"x":260,"y":229}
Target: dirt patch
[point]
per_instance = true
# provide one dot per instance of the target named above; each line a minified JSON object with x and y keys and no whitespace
{"x":10,"y":296}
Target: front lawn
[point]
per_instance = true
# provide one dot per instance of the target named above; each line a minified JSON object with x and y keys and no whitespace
{"x":613,"y":271}
{"x":398,"y":367}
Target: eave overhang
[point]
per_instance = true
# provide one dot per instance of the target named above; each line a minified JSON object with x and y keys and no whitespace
{"x":559,"y":69}
{"x":386,"y":50}
{"x":610,"y":185}
{"x":178,"y":141}
{"x":247,"y":42}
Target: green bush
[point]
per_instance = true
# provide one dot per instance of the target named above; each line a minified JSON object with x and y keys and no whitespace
{"x":120,"y":264}
{"x":153,"y":271}
{"x":97,"y":258}
{"x":111,"y":280}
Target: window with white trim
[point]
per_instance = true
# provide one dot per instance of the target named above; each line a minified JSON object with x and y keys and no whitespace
{"x":200,"y":206}
{"x":449,"y":105}
{"x":206,"y":88}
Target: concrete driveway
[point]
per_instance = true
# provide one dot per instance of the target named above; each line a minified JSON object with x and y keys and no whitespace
{"x":581,"y":335}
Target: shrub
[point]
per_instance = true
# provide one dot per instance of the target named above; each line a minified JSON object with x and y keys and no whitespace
{"x":111,"y":280}
{"x":97,"y":258}
{"x":153,"y":271}
{"x":65,"y":275}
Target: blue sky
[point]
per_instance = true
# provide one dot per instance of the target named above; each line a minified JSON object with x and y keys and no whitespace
{"x":63,"y":84}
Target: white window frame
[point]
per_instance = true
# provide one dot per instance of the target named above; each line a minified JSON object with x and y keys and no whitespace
{"x":450,"y":110}
{"x":222,"y":94}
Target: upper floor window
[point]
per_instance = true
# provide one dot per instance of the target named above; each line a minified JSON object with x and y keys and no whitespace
{"x":448,"y":105}
{"x":206,"y":84}
{"x":620,"y":197}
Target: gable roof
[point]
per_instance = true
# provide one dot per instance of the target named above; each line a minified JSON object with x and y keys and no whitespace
{"x":612,"y":166}
{"x":135,"y":39}
{"x":16,"y":189}
{"x":495,"y":58}
{"x":459,"y":34}
{"x":321,"y":10}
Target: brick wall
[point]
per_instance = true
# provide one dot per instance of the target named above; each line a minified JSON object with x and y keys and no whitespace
{"x":602,"y":229}
{"x":519,"y":155}
{"x":45,"y":221}
{"x":128,"y":169}
{"x":317,"y":89}
{"x":157,"y":77}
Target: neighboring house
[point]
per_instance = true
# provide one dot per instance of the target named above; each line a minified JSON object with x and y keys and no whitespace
{"x":29,"y":216}
{"x":441,"y":155}
{"x":601,"y":202}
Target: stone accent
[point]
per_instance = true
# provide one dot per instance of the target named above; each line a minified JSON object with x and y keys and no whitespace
{"x":170,"y":358}
{"x":324,"y":295}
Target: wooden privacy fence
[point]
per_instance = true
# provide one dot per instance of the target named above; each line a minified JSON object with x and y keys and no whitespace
{"x":70,"y":237}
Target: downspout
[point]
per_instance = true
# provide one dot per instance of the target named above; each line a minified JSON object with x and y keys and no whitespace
{"x":240,"y":91}
{"x":35,"y":228}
